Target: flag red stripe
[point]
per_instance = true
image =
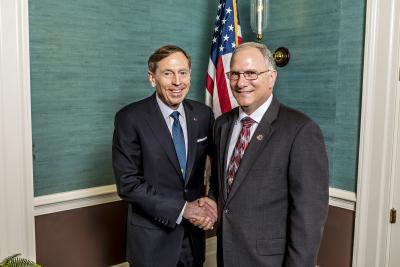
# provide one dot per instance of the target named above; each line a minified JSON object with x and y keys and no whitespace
{"x":210,"y":84}
{"x":223,"y":94}
{"x":218,"y":95}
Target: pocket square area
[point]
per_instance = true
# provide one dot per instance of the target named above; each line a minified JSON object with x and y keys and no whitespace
{"x":202,"y":139}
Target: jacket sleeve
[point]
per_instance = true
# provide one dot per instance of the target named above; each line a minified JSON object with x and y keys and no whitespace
{"x":131,"y":185}
{"x":308,"y":196}
{"x":213,"y":190}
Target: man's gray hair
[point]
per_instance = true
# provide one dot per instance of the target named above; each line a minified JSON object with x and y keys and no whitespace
{"x":269,"y":58}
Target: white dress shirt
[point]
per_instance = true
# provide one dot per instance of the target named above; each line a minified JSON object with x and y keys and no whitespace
{"x":257,"y":115}
{"x":166,"y":112}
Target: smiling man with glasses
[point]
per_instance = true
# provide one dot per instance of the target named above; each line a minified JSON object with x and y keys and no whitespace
{"x":272,"y":186}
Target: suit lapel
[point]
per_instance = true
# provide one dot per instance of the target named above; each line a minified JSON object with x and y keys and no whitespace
{"x":192,"y":124}
{"x":160,"y":129}
{"x":226,"y":132}
{"x":257,"y":143}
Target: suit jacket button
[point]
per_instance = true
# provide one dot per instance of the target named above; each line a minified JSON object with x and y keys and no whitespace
{"x":226,"y":211}
{"x":185,"y":190}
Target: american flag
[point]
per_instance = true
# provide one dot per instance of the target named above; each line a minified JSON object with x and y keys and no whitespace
{"x":227,"y":36}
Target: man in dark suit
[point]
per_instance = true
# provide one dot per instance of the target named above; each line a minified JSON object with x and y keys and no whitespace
{"x":272,"y":189}
{"x":160,"y":146}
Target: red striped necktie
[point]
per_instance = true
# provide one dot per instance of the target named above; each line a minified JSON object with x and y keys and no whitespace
{"x":240,"y":147}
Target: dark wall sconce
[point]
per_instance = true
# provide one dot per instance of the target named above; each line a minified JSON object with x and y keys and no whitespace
{"x":281,"y":56}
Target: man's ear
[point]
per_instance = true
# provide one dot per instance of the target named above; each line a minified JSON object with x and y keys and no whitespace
{"x":151,"y":78}
{"x":273,"y":75}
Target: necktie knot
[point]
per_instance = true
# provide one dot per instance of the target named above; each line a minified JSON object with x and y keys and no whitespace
{"x":175,"y":115}
{"x":247,"y":122}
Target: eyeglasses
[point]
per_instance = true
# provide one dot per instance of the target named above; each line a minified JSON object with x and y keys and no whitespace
{"x":248,"y":75}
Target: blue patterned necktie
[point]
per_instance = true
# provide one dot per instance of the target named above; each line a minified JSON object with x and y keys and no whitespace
{"x":179,"y":142}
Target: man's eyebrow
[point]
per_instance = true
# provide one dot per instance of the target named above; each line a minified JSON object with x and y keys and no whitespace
{"x":244,"y":70}
{"x":171,"y":70}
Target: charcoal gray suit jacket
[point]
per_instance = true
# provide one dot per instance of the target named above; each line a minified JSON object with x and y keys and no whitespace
{"x":277,"y":207}
{"x":148,"y":177}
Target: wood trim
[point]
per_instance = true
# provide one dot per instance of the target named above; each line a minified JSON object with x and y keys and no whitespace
{"x":211,"y":252}
{"x":105,"y":194}
{"x":376,"y":132}
{"x":124,"y":264}
{"x":342,"y":199}
{"x":17,"y":229}
{"x":75,"y":199}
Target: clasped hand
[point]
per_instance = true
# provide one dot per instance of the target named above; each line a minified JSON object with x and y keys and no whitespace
{"x":202,"y":213}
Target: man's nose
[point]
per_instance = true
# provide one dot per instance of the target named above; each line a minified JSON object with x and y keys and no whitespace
{"x":242,"y":81}
{"x":176,"y":79}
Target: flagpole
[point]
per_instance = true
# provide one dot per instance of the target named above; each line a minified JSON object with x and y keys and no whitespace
{"x":235,"y":19}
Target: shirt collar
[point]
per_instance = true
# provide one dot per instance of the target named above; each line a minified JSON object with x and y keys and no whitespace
{"x":166,"y":110}
{"x":258,"y":114}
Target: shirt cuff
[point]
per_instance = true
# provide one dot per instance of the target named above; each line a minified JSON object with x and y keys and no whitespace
{"x":179,"y":220}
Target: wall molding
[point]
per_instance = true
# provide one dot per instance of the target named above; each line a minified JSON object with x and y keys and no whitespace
{"x":75,"y":199}
{"x":124,"y":264}
{"x":342,"y":198}
{"x":108,"y":193}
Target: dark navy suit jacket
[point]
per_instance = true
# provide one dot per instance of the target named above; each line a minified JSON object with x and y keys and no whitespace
{"x":148,"y":177}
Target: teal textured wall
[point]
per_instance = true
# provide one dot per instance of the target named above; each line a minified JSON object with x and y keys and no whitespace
{"x":324,"y":76}
{"x":88,"y":59}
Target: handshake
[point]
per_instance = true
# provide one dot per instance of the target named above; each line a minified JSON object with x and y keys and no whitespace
{"x":202,"y":213}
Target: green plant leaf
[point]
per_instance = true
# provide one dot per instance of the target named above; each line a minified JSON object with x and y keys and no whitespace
{"x":16,"y":261}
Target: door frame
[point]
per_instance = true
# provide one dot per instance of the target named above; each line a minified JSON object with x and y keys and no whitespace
{"x":17,"y":228}
{"x":378,"y":115}
{"x":395,"y":181}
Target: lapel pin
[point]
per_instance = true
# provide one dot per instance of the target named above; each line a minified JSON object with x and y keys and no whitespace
{"x":195,"y":119}
{"x":260,"y":137}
